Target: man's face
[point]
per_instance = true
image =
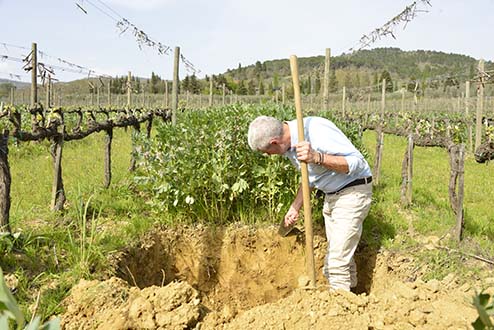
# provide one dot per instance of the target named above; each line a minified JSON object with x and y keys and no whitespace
{"x":276,"y":147}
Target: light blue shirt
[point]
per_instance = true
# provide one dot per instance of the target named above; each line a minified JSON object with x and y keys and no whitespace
{"x":325,"y":137}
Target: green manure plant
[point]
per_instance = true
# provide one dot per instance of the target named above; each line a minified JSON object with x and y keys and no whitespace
{"x":202,"y":169}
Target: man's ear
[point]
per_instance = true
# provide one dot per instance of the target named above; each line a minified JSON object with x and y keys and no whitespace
{"x":274,"y":141}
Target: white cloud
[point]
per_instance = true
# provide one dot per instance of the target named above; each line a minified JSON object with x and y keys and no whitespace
{"x":142,"y":4}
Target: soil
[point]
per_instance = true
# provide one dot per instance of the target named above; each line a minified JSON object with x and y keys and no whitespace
{"x":251,"y":278}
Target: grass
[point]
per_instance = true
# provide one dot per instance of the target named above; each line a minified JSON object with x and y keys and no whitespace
{"x":55,"y":250}
{"x":430,"y":213}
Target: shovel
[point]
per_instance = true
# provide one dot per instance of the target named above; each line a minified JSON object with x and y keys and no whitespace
{"x":285,"y":230}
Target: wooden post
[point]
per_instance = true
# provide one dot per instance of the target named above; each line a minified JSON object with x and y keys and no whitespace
{"x":309,"y":239}
{"x":402,"y":100}
{"x":383,"y":101}
{"x":109,"y":93}
{"x":129,"y":90}
{"x":58,"y":192}
{"x":223,"y":99}
{"x":97,"y":96}
{"x":12,"y":95}
{"x":343,"y":102}
{"x":211,"y":91}
{"x":456,"y":186}
{"x":368,"y":102}
{"x":480,"y":106}
{"x":108,"y":141}
{"x":34,"y":74}
{"x":48,"y":93}
{"x":166,"y":94}
{"x":283,"y":92}
{"x":135,"y":132}
{"x":5,"y":182}
{"x":379,"y":151}
{"x":326,"y":79}
{"x":176,"y":81}
{"x":407,"y":173}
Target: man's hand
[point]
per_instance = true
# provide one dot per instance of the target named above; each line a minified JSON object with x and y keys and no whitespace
{"x":305,"y":152}
{"x":291,"y":216}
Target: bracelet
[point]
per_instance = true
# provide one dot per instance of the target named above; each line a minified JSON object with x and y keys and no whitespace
{"x":320,"y":158}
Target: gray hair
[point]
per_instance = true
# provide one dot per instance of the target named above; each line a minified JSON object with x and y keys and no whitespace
{"x":262,"y":130}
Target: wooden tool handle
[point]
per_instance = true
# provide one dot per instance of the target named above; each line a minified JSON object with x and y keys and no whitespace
{"x":309,"y":237}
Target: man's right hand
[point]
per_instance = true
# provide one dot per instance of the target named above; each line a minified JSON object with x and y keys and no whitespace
{"x":291,"y":216}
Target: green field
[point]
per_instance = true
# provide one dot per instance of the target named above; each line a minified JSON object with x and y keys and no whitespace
{"x":55,"y":250}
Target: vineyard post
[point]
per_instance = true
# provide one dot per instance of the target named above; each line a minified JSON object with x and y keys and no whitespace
{"x":276,"y":93}
{"x":129,"y":89}
{"x":109,"y":93}
{"x":283,"y":92}
{"x":175,"y":85}
{"x":5,"y":182}
{"x":383,"y":101}
{"x":326,"y":79}
{"x":456,"y":185}
{"x":34,"y":74}
{"x":211,"y":91}
{"x":60,"y":97}
{"x":467,"y":116}
{"x":47,"y":88}
{"x":97,"y":96}
{"x":343,"y":101}
{"x":108,"y":141}
{"x":480,"y":105}
{"x":12,"y":95}
{"x":407,"y":173}
{"x":223,"y":99}
{"x":58,"y":193}
{"x":461,"y":179}
{"x":402,"y":100}
{"x":368,"y":102}
{"x":166,"y":93}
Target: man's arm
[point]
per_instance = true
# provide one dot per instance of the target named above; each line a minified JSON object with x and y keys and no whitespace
{"x":307,"y":154}
{"x":292,"y":215}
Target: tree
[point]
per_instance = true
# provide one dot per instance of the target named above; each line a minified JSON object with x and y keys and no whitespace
{"x":241,"y":88}
{"x":389,"y":82}
{"x":153,"y":83}
{"x":261,"y":87}
{"x":333,"y":83}
{"x":186,"y":83}
{"x":194,"y":86}
{"x":251,"y":87}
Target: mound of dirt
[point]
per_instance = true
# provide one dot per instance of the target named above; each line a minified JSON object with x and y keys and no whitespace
{"x":244,"y":278}
{"x":113,"y":304}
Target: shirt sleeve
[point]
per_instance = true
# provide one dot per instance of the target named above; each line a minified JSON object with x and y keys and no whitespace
{"x":355,"y":164}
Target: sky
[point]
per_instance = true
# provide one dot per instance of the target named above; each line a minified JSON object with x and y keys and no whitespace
{"x":217,"y":35}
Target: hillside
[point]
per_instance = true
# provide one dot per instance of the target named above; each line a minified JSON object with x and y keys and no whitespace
{"x":362,"y":68}
{"x":359,"y":69}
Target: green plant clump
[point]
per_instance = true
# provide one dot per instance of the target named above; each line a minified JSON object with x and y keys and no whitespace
{"x":203,"y":168}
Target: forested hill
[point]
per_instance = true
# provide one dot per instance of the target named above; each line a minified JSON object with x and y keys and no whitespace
{"x":365,"y":66}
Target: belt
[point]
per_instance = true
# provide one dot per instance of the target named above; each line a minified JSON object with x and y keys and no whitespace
{"x":353,"y":183}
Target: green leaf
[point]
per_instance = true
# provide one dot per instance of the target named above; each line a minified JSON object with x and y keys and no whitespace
{"x":479,"y":302}
{"x":484,"y":298}
{"x":33,"y":325}
{"x":478,"y":325}
{"x":51,"y":325}
{"x":4,"y":321}
{"x":10,"y":303}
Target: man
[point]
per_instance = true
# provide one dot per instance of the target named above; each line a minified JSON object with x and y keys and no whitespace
{"x":335,"y":167}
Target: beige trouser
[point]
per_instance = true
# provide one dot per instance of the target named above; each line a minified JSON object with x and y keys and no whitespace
{"x":344,"y":213}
